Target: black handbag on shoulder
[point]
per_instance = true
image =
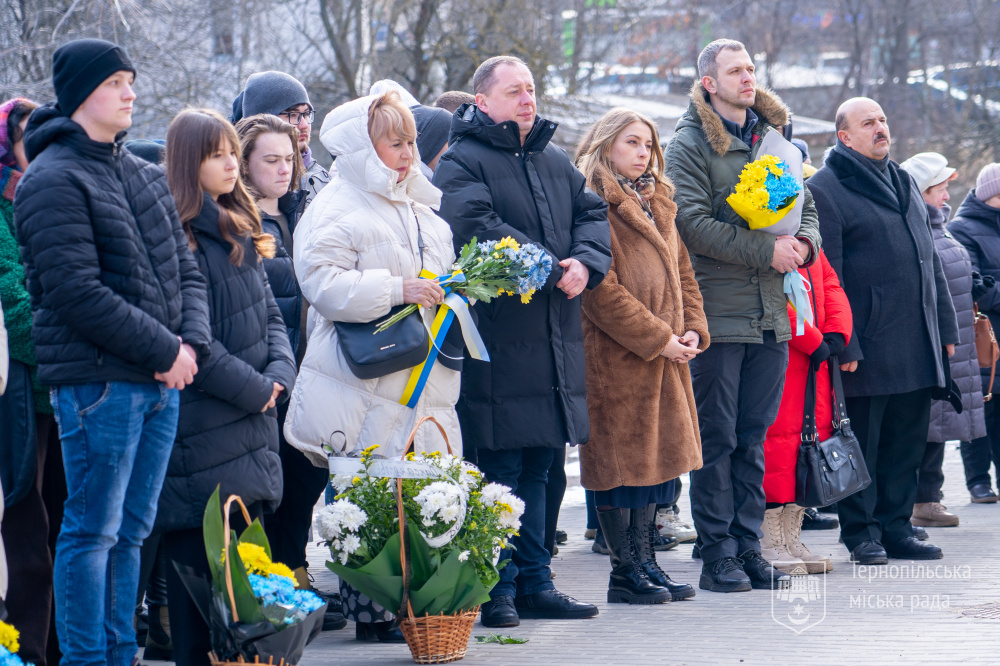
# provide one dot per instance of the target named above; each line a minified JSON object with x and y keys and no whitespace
{"x":403,"y":345}
{"x":370,"y":354}
{"x":833,"y":469}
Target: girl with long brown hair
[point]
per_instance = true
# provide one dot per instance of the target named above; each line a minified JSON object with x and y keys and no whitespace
{"x":641,"y":326}
{"x":228,"y":430}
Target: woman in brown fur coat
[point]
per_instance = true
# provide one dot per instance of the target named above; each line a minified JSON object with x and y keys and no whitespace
{"x":641,"y":326}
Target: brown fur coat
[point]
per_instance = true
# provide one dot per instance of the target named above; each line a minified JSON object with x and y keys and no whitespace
{"x":643,"y":423}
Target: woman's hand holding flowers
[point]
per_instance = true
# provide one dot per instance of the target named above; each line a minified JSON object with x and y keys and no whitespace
{"x":427,"y":293}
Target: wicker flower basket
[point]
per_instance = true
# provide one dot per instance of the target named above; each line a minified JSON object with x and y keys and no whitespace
{"x":242,"y":662}
{"x":432,"y":639}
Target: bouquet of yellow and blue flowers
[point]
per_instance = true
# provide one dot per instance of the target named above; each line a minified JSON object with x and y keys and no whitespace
{"x":9,"y":645}
{"x":489,"y":269}
{"x":766,"y":192}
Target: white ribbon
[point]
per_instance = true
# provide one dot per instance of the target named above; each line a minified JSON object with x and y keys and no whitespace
{"x":797,"y":289}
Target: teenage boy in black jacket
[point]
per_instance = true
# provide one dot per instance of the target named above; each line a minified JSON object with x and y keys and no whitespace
{"x":120,"y":317}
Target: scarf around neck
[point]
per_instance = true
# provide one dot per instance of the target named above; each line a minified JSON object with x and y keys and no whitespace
{"x":641,"y":189}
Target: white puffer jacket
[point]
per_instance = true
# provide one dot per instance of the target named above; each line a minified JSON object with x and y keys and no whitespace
{"x":354,"y":246}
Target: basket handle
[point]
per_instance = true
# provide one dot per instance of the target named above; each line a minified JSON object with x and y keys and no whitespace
{"x":225,"y":548}
{"x":399,"y":507}
{"x":413,"y":435}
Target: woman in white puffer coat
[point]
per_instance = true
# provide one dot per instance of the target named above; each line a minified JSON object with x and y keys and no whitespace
{"x":356,"y":256}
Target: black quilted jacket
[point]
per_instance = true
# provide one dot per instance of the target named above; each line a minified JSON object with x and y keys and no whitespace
{"x":111,"y":279}
{"x":222,"y":436}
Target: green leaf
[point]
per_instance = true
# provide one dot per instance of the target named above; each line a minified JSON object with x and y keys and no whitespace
{"x":381,"y":579}
{"x":214,"y":542}
{"x":255,"y":535}
{"x":246,"y":603}
{"x":502,"y":639}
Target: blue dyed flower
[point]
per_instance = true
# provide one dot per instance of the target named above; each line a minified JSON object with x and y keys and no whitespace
{"x":7,"y":658}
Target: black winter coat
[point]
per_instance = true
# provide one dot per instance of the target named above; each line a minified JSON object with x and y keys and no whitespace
{"x":884,"y":256}
{"x":977,"y":227}
{"x":111,"y":279}
{"x":533,"y":393}
{"x":946,"y":424}
{"x":281,"y":270}
{"x":222,"y":436}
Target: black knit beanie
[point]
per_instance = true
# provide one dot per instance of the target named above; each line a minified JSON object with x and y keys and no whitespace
{"x":80,"y":66}
{"x":433,"y":126}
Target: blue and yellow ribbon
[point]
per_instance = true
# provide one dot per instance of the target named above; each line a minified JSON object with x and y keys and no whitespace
{"x":455,"y":306}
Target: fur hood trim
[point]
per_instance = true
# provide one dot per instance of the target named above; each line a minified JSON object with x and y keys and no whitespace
{"x":768,"y":107}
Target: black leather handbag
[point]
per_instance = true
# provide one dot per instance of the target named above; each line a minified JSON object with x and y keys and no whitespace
{"x":833,"y":469}
{"x":370,"y":354}
{"x":403,"y":345}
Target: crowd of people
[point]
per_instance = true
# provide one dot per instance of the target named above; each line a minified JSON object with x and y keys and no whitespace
{"x":172,"y":307}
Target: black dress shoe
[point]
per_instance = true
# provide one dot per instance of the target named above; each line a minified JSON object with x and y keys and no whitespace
{"x":561,"y":536}
{"x":812,"y":520}
{"x":762,"y":575}
{"x":662,"y":543}
{"x":552,"y":605}
{"x":869,"y":552}
{"x":333,"y":618}
{"x":920,"y":533}
{"x":499,"y":612}
{"x":724,"y":575}
{"x":982,"y":493}
{"x":911,"y":548}
{"x":381,"y":632}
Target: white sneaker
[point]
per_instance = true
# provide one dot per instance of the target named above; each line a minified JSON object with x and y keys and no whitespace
{"x":669,"y":524}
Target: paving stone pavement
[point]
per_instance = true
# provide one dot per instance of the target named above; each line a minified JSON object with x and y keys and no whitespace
{"x":851,"y":618}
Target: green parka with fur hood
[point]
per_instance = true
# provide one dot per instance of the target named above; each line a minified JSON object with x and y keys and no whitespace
{"x":743,"y":295}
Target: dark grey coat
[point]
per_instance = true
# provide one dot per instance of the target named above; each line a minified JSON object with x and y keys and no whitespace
{"x":884,"y":255}
{"x":945,"y":423}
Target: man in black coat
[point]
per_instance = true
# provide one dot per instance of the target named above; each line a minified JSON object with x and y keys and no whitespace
{"x":877,"y":236}
{"x":120,"y":318}
{"x":501,"y":177}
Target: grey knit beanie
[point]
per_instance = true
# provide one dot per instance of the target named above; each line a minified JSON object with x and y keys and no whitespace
{"x":272,"y":93}
{"x":988,"y":182}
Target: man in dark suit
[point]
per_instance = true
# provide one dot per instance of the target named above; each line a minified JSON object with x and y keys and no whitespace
{"x":877,"y":236}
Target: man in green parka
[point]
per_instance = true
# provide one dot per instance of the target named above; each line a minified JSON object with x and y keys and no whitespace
{"x":738,"y":381}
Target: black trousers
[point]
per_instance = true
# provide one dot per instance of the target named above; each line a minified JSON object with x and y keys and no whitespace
{"x":892,"y":431}
{"x":188,"y":630}
{"x":30,"y":529}
{"x":737,"y":388}
{"x":979,"y":454}
{"x":288,"y":527}
{"x":930,"y":476}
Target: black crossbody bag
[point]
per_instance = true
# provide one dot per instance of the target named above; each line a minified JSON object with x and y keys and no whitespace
{"x":833,"y":469}
{"x":402,"y":346}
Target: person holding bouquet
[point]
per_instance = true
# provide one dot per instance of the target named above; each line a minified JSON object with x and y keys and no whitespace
{"x":741,"y":273}
{"x":360,"y":248}
{"x":228,"y":430}
{"x":641,"y":326}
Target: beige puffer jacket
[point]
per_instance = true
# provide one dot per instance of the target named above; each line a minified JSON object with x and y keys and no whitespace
{"x":354,"y":246}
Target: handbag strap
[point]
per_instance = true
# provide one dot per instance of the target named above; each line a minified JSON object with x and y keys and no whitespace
{"x":840,"y":418}
{"x":809,"y":430}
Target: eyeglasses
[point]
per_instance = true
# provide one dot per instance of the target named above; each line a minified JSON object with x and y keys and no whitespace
{"x":295,"y":117}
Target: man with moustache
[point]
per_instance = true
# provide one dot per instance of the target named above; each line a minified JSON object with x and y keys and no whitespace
{"x":877,"y":235}
{"x":738,"y":380}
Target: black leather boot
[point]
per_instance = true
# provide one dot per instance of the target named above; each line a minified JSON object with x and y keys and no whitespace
{"x":645,"y":533}
{"x":629,"y":583}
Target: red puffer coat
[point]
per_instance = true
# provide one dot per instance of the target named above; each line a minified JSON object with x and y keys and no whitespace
{"x":832,"y":314}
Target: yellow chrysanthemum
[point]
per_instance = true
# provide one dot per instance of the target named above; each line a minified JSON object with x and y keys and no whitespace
{"x":279,"y":569}
{"x":508,"y":242}
{"x":255,"y":560}
{"x":526,"y":298}
{"x":9,"y":637}
{"x":371,"y":448}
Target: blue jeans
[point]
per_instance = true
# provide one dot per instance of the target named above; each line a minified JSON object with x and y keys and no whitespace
{"x":526,"y":471}
{"x":116,"y":441}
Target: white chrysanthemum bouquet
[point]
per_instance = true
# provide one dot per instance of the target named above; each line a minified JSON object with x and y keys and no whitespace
{"x":457,"y":524}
